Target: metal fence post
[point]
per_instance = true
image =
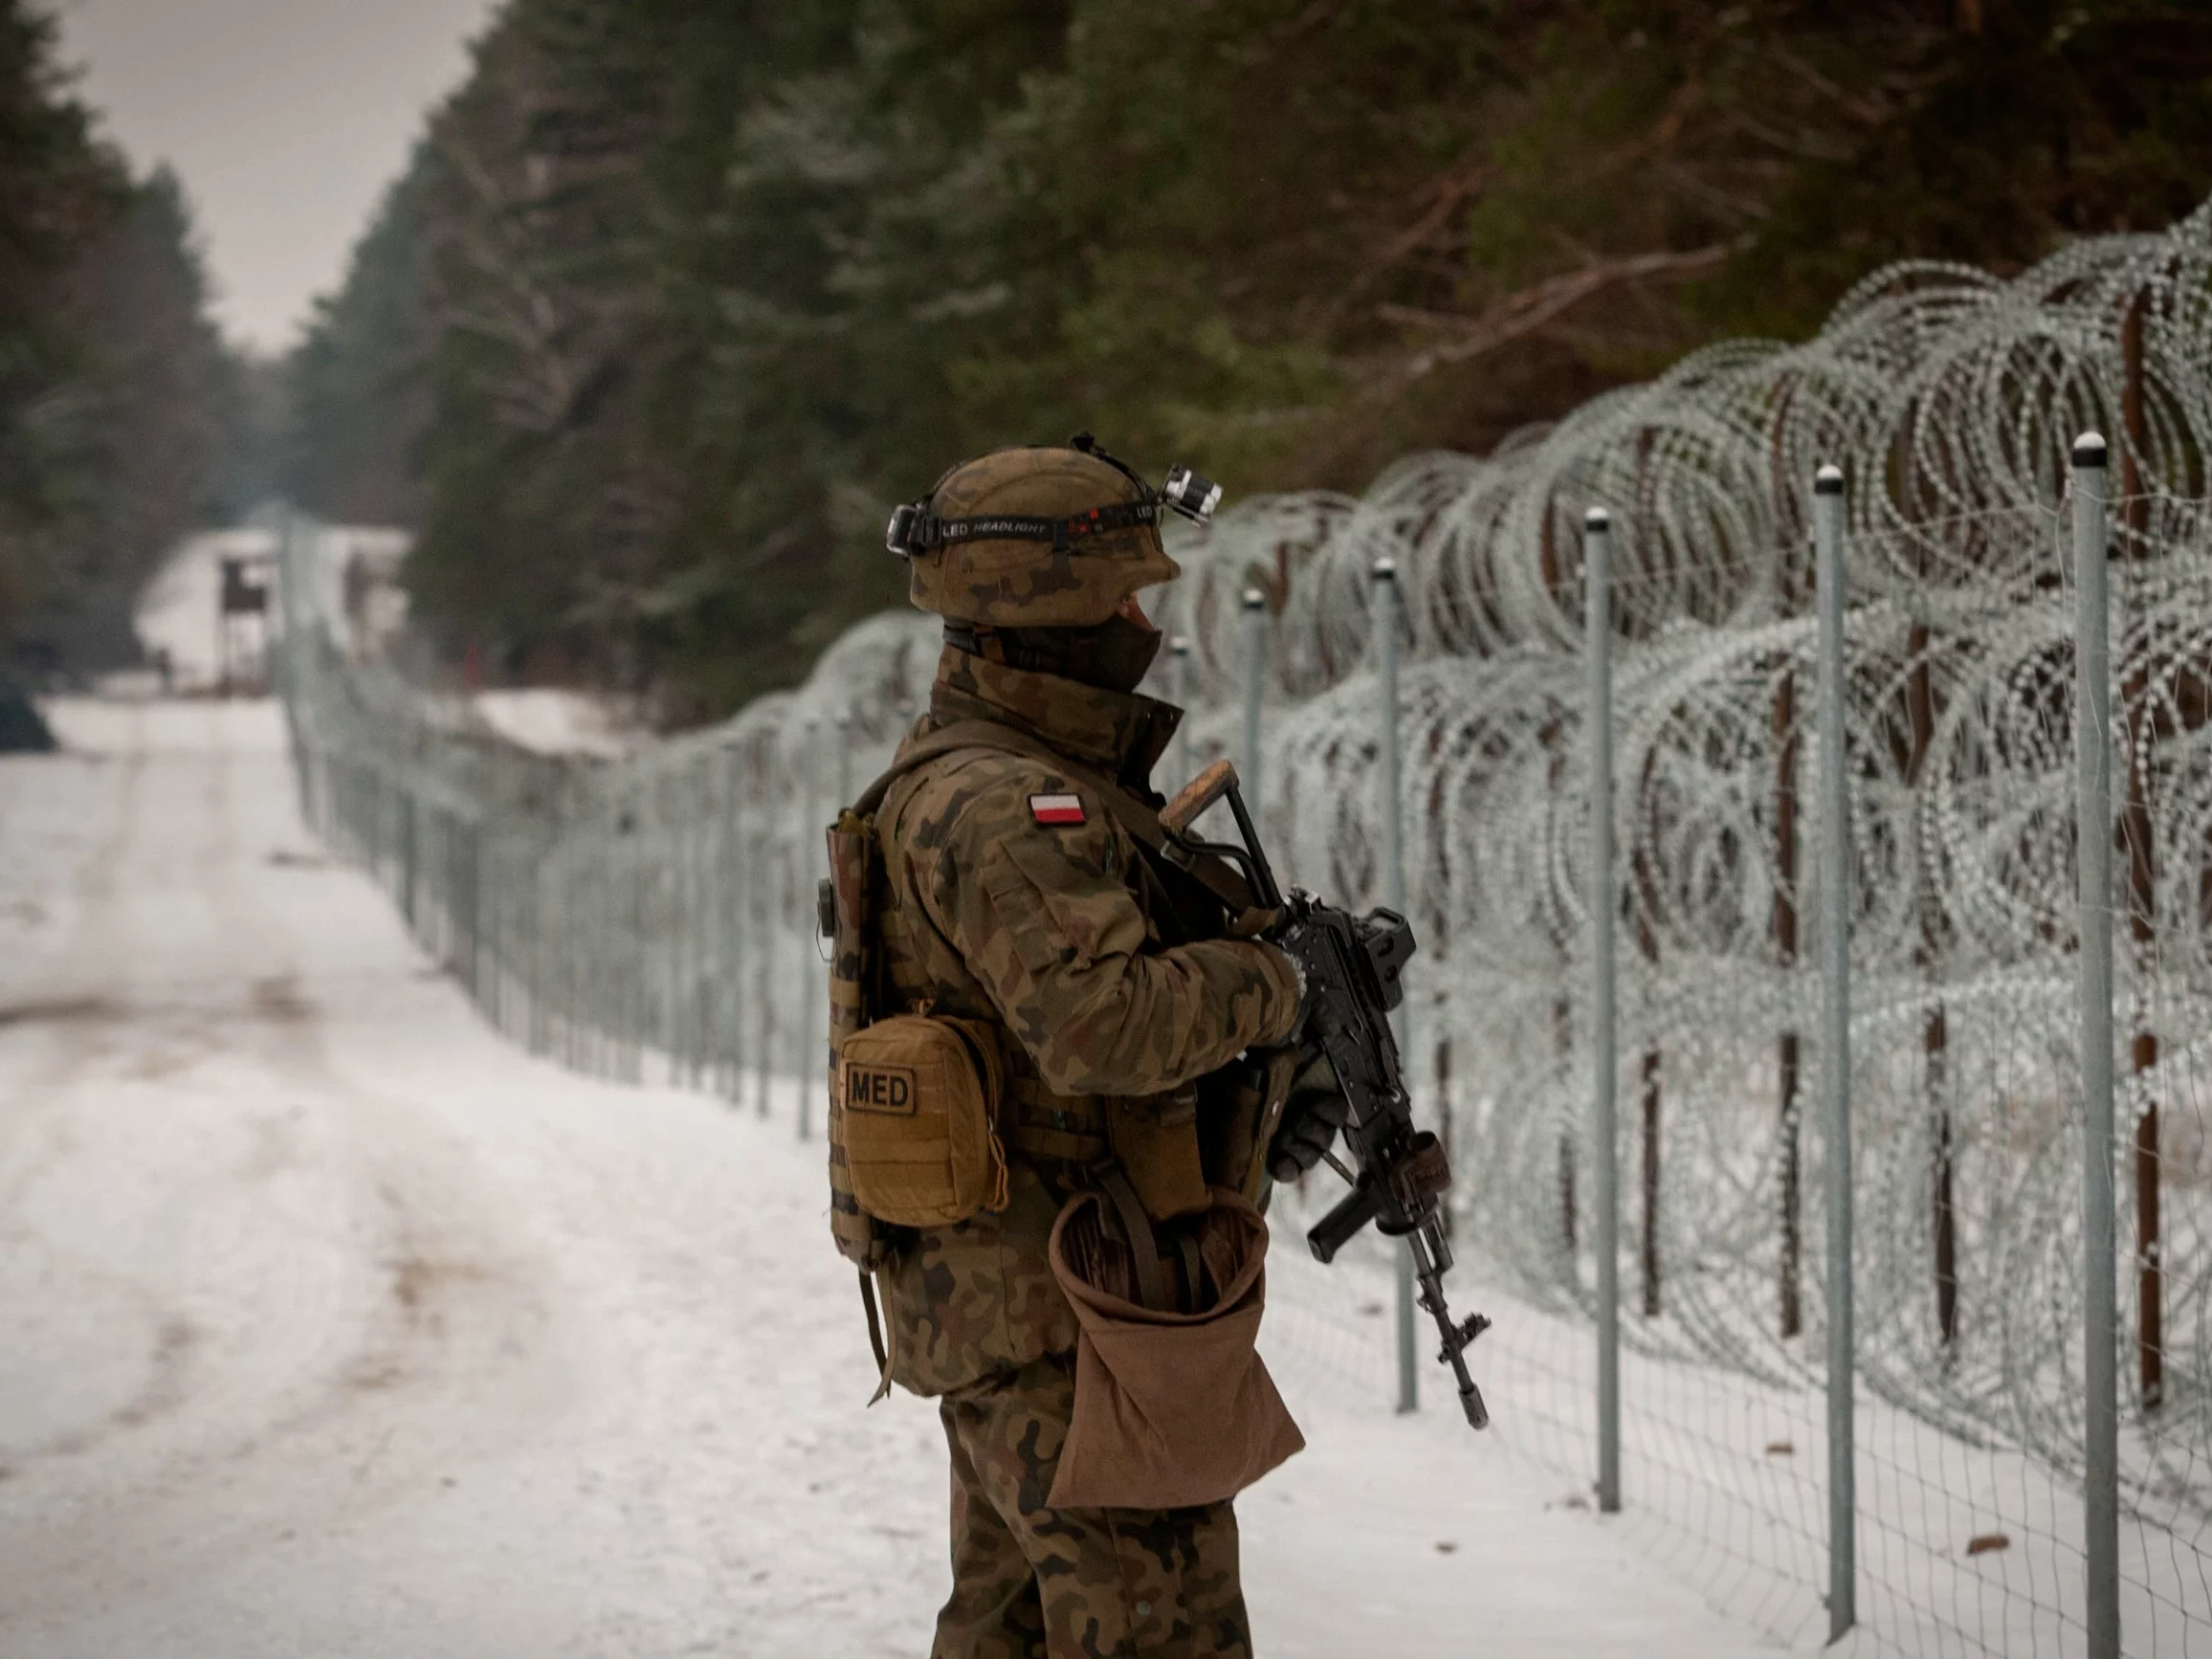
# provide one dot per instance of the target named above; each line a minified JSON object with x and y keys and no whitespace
{"x":530,"y":873}
{"x":765,"y":906}
{"x":473,"y":897}
{"x":293,"y":646}
{"x":2093,"y":842}
{"x":1836,"y":1051}
{"x":1255,"y":612}
{"x":631,"y":985}
{"x":1393,"y":803}
{"x":803,"y":876}
{"x":675,"y":889}
{"x":373,"y":815}
{"x":848,"y":735}
{"x":737,"y":894}
{"x":702,"y":921}
{"x":1605,"y":1132}
{"x":407,"y":857}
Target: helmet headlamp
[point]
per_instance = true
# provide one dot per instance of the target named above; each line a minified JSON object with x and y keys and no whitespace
{"x":1193,"y":497}
{"x":899,"y":534}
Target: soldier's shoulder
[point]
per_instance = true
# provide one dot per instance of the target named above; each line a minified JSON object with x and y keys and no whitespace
{"x":982,"y":793}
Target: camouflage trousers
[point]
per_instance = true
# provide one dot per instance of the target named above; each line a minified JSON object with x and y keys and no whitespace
{"x":1033,"y":1583}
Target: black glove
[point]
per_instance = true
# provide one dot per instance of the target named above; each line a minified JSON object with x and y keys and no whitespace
{"x":1313,"y":1114}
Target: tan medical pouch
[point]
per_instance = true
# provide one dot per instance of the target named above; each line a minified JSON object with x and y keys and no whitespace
{"x":917,"y":1099}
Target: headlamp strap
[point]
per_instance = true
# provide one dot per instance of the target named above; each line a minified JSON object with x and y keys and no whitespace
{"x":927,"y":530}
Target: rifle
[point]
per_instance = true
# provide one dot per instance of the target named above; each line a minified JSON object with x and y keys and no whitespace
{"x":1354,"y":967}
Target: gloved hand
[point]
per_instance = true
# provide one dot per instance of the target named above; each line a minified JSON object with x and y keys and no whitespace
{"x":1300,"y":941}
{"x":1312,"y":1115}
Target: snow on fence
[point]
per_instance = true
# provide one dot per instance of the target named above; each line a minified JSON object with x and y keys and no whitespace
{"x":2028,"y":1469}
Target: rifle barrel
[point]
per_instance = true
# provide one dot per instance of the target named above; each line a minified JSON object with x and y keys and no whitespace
{"x":1429,"y":1259}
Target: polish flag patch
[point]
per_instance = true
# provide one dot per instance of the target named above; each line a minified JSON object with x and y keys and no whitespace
{"x":1056,"y":809}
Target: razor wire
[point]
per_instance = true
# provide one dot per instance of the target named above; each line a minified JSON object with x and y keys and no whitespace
{"x":659,"y":912}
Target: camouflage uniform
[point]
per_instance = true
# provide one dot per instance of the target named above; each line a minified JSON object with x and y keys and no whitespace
{"x":1077,"y":942}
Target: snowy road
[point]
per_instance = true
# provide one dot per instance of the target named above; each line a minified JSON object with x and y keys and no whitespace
{"x":337,"y":1327}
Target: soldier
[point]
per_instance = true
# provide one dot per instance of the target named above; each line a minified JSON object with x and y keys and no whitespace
{"x":1011,"y":897}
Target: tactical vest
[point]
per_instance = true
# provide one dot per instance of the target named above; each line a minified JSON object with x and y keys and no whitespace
{"x":1153,"y":1157}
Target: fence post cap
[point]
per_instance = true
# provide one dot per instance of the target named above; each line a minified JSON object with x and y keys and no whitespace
{"x":1385,"y":569}
{"x":1828,"y":480}
{"x":1255,"y":598}
{"x":1178,"y":645}
{"x":1597,"y":519}
{"x":2089,"y":449}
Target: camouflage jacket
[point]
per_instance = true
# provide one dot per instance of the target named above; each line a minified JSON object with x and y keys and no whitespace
{"x":1048,"y":918}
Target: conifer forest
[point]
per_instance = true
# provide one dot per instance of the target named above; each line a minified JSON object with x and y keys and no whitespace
{"x":676,"y":299}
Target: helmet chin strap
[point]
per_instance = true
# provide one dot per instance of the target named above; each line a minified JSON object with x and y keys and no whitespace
{"x":1112,"y":656}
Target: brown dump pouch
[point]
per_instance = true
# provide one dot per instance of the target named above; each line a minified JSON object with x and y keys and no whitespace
{"x":1172,"y":1408}
{"x":853,"y":888}
{"x":918,"y":1097}
{"x":1155,"y":1139}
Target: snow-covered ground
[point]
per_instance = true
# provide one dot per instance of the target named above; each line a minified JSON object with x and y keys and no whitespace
{"x":339,"y":1327}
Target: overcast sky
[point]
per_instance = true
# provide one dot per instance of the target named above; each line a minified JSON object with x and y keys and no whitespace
{"x":285,"y":119}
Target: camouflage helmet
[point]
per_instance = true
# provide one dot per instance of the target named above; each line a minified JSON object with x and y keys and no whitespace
{"x":1040,"y":538}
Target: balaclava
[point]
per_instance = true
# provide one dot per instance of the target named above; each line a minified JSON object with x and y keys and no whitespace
{"x":1112,"y":656}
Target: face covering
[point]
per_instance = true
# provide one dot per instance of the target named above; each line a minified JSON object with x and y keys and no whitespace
{"x":1112,"y":655}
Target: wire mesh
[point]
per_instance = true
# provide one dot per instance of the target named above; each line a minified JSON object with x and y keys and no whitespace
{"x":655,"y":916}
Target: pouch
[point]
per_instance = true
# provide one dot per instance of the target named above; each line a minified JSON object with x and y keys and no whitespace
{"x":918,"y":1108}
{"x":1172,"y":1409}
{"x":1240,"y":1106}
{"x":1155,"y":1139}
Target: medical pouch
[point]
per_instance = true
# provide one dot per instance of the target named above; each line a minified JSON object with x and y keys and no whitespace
{"x":916,"y":1103}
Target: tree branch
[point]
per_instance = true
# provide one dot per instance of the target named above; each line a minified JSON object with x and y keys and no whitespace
{"x":1519,"y":315}
{"x":1449,"y":191}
